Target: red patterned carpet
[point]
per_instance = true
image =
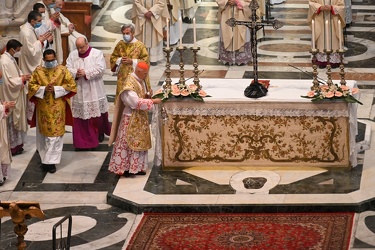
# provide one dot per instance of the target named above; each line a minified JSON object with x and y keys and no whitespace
{"x":243,"y":231}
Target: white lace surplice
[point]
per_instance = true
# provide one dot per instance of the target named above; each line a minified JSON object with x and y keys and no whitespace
{"x":90,"y":100}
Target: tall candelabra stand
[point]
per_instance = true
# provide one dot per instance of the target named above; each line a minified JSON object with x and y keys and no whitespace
{"x":329,"y":72}
{"x":315,"y":69}
{"x":195,"y":65}
{"x":181,"y":50}
{"x":168,"y":80}
{"x":342,"y":71}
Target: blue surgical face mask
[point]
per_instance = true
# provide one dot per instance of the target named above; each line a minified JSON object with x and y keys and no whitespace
{"x":127,"y":38}
{"x":37,"y":25}
{"x":51,"y":5}
{"x":51,"y":64}
{"x":57,"y":9}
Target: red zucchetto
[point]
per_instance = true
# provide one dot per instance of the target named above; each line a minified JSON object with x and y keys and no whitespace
{"x":142,"y":65}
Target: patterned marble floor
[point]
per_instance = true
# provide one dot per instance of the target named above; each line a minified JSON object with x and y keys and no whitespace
{"x":107,"y":209}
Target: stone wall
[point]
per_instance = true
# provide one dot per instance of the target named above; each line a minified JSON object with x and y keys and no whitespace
{"x":13,"y":13}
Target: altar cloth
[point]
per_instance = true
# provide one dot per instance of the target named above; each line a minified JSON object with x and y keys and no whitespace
{"x":229,"y":129}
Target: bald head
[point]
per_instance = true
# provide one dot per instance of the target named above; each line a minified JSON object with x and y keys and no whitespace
{"x":82,"y":45}
{"x":59,"y":3}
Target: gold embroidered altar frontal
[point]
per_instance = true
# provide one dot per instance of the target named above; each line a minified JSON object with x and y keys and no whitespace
{"x":255,"y":134}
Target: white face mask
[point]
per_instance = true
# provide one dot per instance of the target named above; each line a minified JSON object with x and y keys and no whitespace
{"x":17,"y":54}
{"x":127,"y":38}
{"x":50,"y":65}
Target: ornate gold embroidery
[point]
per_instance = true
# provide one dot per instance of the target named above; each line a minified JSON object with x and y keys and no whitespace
{"x":255,"y":140}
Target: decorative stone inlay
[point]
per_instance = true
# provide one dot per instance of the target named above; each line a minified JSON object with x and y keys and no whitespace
{"x":254,"y":182}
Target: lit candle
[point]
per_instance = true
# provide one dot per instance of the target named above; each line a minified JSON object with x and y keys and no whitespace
{"x":167,"y":33}
{"x":340,"y":35}
{"x":313,"y":35}
{"x":195,"y":34}
{"x":180,"y":23}
{"x":327,"y":36}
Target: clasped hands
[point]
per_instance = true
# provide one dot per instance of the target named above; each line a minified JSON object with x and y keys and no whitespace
{"x":80,"y":73}
{"x":24,"y":79}
{"x":232,"y":2}
{"x":8,"y":105}
{"x":49,"y":87}
{"x":55,"y":16}
{"x":148,"y":15}
{"x":126,"y":60}
{"x":46,"y":36}
{"x":325,"y":8}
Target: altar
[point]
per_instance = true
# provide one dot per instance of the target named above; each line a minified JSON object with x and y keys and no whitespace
{"x":281,"y":129}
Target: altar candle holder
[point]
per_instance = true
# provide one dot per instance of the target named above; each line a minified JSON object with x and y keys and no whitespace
{"x":315,"y":69}
{"x":195,"y":65}
{"x":168,"y":80}
{"x":181,"y":50}
{"x":329,"y":72}
{"x":342,"y":71}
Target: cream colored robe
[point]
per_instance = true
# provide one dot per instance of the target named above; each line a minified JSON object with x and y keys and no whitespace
{"x":233,"y":38}
{"x":57,"y":42}
{"x":175,"y":10}
{"x":31,"y":51}
{"x":339,"y":10}
{"x":5,"y":154}
{"x":186,"y":4}
{"x":149,"y":32}
{"x":13,"y":90}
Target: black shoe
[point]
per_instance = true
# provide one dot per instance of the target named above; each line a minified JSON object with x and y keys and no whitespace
{"x":141,"y":173}
{"x":52,"y":169}
{"x":96,"y":7}
{"x":322,"y":66}
{"x":45,"y":167}
{"x":153,"y":63}
{"x":186,"y":20}
{"x":18,"y":152}
{"x":101,"y":138}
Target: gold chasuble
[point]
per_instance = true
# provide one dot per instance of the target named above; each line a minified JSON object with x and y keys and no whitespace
{"x":138,"y":134}
{"x":136,"y":50}
{"x":52,"y":113}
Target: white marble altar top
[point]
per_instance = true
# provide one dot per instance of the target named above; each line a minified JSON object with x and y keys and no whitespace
{"x":279,"y":90}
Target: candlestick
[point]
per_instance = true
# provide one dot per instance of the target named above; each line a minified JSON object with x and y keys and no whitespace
{"x":340,"y":35}
{"x":195,"y":34}
{"x":167,"y":33}
{"x":180,"y":24}
{"x":327,"y":36}
{"x":313,"y":35}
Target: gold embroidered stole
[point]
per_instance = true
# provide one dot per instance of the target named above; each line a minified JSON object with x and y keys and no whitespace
{"x":138,"y":132}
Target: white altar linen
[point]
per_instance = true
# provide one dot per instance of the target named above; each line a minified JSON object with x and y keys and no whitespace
{"x":280,"y":91}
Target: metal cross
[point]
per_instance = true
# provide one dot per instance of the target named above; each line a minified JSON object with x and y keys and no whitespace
{"x":255,"y":89}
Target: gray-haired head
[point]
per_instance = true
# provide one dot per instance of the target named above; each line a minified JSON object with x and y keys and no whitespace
{"x":127,"y":26}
